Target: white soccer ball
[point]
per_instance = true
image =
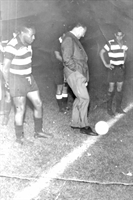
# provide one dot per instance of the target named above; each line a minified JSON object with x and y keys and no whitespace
{"x":101,"y":127}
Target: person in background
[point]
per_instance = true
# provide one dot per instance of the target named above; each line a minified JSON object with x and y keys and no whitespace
{"x":5,"y":98}
{"x":17,"y":72}
{"x":117,"y":53}
{"x":77,"y":76}
{"x":61,"y":85}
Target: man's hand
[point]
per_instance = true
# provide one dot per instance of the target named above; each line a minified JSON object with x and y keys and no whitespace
{"x":58,"y":55}
{"x":7,"y":85}
{"x":7,"y":97}
{"x":109,"y":66}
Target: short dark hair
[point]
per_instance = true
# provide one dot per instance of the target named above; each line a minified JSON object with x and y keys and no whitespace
{"x":119,"y":31}
{"x":25,"y":28}
{"x":80,"y":25}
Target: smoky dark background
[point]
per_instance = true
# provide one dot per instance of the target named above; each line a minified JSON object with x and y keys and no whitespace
{"x":52,"y":18}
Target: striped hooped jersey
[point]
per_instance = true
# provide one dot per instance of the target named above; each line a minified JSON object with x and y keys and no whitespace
{"x":20,"y":56}
{"x":115,"y":52}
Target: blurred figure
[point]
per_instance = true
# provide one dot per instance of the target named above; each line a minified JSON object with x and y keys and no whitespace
{"x":61,"y":85}
{"x":17,"y":72}
{"x":77,"y":76}
{"x":5,"y":98}
{"x":116,"y":50}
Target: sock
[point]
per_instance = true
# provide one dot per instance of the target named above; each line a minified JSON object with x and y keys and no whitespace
{"x":8,"y":109}
{"x":38,"y":124}
{"x":110,"y":100}
{"x":19,"y":131}
{"x":118,"y":99}
{"x":60,"y":105}
{"x":65,"y":100}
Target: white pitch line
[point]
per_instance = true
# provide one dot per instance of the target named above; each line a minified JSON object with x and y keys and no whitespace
{"x":35,"y":188}
{"x":112,"y":121}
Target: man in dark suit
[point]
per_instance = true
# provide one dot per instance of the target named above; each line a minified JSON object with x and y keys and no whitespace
{"x":77,"y":76}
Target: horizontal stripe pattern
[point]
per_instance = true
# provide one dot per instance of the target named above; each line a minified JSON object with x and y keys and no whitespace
{"x":11,"y":50}
{"x":19,"y":67}
{"x":116,"y":47}
{"x":21,"y":62}
{"x":21,"y":72}
{"x":20,"y":56}
{"x":116,"y":59}
{"x":119,"y":62}
{"x":116,"y":55}
{"x":116,"y":52}
{"x":22,"y":51}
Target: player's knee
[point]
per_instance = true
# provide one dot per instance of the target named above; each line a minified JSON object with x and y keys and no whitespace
{"x":119,"y":87}
{"x":20,"y":109}
{"x":38,"y":104}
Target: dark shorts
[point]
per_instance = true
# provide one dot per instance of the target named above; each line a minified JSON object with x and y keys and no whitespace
{"x":116,"y":74}
{"x":21,"y":85}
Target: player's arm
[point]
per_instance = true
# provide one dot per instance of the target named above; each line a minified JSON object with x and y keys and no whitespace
{"x":125,"y":54}
{"x":5,"y":71}
{"x":10,"y":52}
{"x":58,"y":56}
{"x":102,"y":53}
{"x":67,"y":54}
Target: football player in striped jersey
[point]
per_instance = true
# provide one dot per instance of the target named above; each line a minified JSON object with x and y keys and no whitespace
{"x":17,"y":72}
{"x":116,"y":50}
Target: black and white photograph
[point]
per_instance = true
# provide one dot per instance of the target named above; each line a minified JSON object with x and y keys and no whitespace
{"x":66,"y":100}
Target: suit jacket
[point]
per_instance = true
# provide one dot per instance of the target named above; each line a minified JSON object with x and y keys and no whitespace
{"x":74,"y":56}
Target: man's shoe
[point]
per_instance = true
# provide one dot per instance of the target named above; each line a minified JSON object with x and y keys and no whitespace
{"x":88,"y":130}
{"x":42,"y":134}
{"x":110,"y":112}
{"x":63,"y":110}
{"x":75,"y":128}
{"x":120,"y":111}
